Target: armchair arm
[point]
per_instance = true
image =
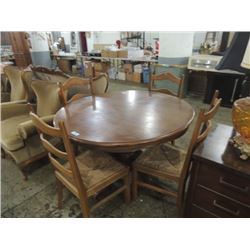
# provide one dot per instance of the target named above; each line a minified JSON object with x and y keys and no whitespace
{"x":26,"y":129}
{"x":10,"y":109}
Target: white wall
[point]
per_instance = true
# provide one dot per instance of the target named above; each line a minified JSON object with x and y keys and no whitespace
{"x":106,"y":37}
{"x":90,"y":41}
{"x":150,"y":38}
{"x":67,"y":39}
{"x":176,"y":44}
{"x":39,"y":41}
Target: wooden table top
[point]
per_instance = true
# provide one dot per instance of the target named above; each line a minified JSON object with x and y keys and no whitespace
{"x":125,"y":121}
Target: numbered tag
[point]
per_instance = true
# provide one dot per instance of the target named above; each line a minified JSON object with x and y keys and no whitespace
{"x":75,"y":133}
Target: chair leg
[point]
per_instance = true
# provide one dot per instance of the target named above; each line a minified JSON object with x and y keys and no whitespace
{"x":134,"y":183}
{"x":25,"y":174}
{"x":59,"y":194}
{"x":85,"y":208}
{"x":173,"y":143}
{"x":127,"y":196}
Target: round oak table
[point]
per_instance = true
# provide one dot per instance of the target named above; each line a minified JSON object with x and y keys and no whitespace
{"x":126,"y":121}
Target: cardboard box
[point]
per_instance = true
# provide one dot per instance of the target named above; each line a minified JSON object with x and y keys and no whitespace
{"x":121,"y":76}
{"x":135,"y":53}
{"x":129,"y":76}
{"x":112,"y":54}
{"x":105,"y":53}
{"x":128,"y":67}
{"x":138,"y":68}
{"x":109,"y":53}
{"x":101,"y":66}
{"x":136,"y":77}
{"x":122,"y":53}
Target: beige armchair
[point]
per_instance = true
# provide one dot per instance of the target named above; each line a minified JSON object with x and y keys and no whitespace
{"x":19,"y":138}
{"x":19,"y":91}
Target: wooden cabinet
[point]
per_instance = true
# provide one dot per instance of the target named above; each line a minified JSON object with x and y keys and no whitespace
{"x":20,"y":48}
{"x":220,"y":180}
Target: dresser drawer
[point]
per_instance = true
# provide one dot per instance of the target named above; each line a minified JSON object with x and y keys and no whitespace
{"x":225,"y":182}
{"x":218,"y":205}
{"x":197,"y":212}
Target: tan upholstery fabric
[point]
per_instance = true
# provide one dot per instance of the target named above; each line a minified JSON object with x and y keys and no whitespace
{"x":48,"y":102}
{"x":95,"y":167}
{"x":10,"y":138}
{"x":99,"y":85}
{"x":165,"y":158}
{"x":27,"y":80}
{"x":18,"y":91}
{"x":33,"y":147}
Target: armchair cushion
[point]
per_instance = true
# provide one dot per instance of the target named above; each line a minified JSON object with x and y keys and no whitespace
{"x":28,"y":128}
{"x":10,"y":137}
{"x":10,"y":109}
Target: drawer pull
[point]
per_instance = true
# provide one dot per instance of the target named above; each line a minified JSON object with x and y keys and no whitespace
{"x":235,"y":213}
{"x":225,"y":183}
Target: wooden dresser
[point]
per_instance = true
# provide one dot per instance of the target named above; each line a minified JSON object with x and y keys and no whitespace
{"x":220,"y":180}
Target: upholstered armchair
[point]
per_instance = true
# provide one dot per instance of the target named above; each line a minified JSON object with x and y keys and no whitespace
{"x":19,"y":137}
{"x":19,"y":91}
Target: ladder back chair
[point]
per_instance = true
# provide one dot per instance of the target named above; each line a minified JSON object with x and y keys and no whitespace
{"x":167,"y":76}
{"x":84,"y":175}
{"x":78,"y":88}
{"x":169,"y":162}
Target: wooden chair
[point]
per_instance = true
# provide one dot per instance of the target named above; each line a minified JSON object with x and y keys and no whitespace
{"x":168,"y":162}
{"x":78,"y":87}
{"x":166,"y":76}
{"x":75,"y":88}
{"x":86,"y":174}
{"x":100,"y":84}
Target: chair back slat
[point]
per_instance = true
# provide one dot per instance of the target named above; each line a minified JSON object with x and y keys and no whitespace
{"x":44,"y":127}
{"x":52,"y":149}
{"x":59,"y":167}
{"x":167,"y":76}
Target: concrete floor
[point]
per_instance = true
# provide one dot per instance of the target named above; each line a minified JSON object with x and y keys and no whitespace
{"x":37,"y":196}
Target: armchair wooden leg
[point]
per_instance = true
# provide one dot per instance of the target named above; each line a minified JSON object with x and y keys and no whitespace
{"x":134,"y":183}
{"x":127,"y":195}
{"x":59,"y":194}
{"x":25,"y":174}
